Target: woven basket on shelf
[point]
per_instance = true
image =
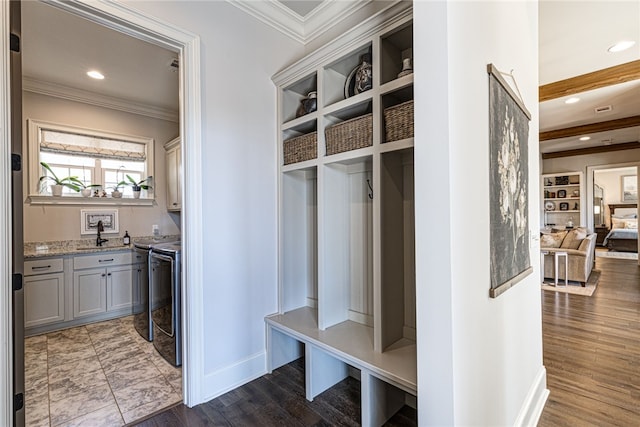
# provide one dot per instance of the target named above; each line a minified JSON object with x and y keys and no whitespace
{"x":300,"y":148}
{"x":350,"y":135}
{"x":399,"y":121}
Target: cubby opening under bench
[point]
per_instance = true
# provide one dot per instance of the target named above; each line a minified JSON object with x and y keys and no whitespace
{"x":388,"y":379}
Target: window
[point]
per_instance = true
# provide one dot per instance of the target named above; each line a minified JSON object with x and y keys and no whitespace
{"x":93,"y":157}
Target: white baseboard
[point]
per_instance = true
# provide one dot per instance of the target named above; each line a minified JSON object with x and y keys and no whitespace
{"x":226,"y":379}
{"x":534,"y":403}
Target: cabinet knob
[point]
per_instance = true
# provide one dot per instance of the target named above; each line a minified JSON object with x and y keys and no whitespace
{"x":175,"y":204}
{"x":103,"y":274}
{"x":109,"y":274}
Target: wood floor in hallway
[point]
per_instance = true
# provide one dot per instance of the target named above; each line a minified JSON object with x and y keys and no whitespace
{"x":591,"y":348}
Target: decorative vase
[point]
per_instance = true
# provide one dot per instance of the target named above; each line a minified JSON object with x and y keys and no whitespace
{"x":407,"y":67}
{"x":364,"y":75}
{"x":308,"y":104}
{"x":136,"y":194}
{"x":56,"y":190}
{"x":86,"y":192}
{"x":116,"y":194}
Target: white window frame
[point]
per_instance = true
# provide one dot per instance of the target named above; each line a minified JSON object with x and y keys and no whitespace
{"x":35,"y":128}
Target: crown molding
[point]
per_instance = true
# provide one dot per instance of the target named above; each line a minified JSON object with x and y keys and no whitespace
{"x":291,"y":24}
{"x":78,"y":95}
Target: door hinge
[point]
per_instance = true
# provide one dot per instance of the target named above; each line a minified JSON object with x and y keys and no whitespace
{"x":18,"y":402}
{"x":14,"y":43}
{"x":17,"y":281}
{"x":16,"y":162}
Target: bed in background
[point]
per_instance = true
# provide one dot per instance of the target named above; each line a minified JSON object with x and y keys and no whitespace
{"x":623,"y":236}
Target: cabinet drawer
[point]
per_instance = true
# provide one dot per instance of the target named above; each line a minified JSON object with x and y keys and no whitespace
{"x":103,"y":260}
{"x":43,"y":266}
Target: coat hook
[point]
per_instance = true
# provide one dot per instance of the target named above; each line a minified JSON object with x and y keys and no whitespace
{"x":370,"y":190}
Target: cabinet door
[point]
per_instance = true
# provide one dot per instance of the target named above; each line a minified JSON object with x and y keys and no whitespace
{"x":43,"y":299}
{"x":120,"y":287}
{"x":174,"y":163}
{"x":89,"y":292}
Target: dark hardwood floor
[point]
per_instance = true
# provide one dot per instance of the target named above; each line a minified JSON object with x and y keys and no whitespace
{"x":277,"y":399}
{"x":591,"y":353}
{"x":591,"y":348}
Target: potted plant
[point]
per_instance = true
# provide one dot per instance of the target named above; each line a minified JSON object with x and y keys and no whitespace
{"x":86,"y":190}
{"x":71,"y":182}
{"x":138,"y":186}
{"x":116,"y":193}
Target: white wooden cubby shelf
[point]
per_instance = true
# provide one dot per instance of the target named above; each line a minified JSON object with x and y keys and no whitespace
{"x":346,"y":295}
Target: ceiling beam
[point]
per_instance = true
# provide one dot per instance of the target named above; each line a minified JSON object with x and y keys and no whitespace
{"x":591,"y":150}
{"x":595,"y":80}
{"x":625,"y":122}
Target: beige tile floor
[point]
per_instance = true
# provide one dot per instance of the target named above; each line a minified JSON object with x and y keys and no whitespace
{"x":104,"y":374}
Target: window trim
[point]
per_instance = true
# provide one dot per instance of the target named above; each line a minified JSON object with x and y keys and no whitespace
{"x":34,"y":129}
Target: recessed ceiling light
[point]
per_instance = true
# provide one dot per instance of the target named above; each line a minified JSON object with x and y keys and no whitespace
{"x":572,"y":100}
{"x":95,"y":75}
{"x":621,"y":45}
{"x":585,"y":138}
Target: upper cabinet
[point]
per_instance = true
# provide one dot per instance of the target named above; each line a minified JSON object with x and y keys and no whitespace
{"x":173,"y":159}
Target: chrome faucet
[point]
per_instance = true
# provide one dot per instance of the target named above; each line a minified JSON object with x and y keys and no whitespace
{"x":99,"y":240}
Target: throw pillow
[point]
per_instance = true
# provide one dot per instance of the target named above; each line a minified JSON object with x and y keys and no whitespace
{"x":574,"y":238}
{"x":631,"y":223}
{"x":552,"y":240}
{"x":617,"y":223}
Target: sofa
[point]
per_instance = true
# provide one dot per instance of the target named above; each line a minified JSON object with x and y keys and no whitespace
{"x":580,"y":247}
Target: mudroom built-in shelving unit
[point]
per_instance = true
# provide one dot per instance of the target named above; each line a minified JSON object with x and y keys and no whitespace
{"x":346,"y":216}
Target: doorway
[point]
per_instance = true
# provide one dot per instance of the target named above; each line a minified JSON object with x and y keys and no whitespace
{"x":613,"y":209}
{"x":119,"y":18}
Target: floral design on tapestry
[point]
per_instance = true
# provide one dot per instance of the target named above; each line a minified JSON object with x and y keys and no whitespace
{"x":509,"y":204}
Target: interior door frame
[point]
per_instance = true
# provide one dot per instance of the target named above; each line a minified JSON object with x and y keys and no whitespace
{"x":129,"y":21}
{"x":591,"y":180}
{"x":6,"y":291}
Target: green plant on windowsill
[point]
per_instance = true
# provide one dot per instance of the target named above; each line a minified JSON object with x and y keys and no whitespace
{"x":139,"y":185}
{"x":71,"y":182}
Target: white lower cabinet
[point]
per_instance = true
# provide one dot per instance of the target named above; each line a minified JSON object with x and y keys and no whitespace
{"x":44,"y":292}
{"x":89,"y":292}
{"x":43,"y":299}
{"x":120,"y":288}
{"x":102,"y":289}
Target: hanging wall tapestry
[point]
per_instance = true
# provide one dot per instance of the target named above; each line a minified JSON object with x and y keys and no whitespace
{"x":509,"y":181}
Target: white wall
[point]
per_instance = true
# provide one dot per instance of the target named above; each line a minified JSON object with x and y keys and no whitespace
{"x":239,"y":56}
{"x":49,"y":222}
{"x":479,"y":359}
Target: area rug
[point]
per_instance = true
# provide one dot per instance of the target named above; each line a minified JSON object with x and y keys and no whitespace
{"x":614,"y":254}
{"x":575,"y":287}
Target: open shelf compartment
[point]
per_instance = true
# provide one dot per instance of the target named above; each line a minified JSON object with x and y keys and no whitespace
{"x":347,"y":291}
{"x":293,"y":94}
{"x":394,"y":48}
{"x":337,"y":74}
{"x":299,"y":260}
{"x":397,"y":321}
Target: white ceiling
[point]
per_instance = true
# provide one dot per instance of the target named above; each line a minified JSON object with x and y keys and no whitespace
{"x":58,"y":49}
{"x":573,"y":40}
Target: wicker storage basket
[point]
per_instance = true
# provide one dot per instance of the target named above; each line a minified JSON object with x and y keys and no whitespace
{"x":300,"y":148}
{"x":399,"y":121}
{"x":350,"y":135}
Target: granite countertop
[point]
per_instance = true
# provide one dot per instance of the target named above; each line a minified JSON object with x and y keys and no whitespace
{"x":81,"y":246}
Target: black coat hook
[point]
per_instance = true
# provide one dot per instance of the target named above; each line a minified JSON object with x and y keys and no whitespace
{"x":370,"y":190}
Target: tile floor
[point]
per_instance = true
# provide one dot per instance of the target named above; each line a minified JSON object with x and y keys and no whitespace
{"x":102,"y":374}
